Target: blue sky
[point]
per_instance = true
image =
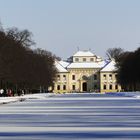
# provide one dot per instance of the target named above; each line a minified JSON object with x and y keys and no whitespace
{"x":60,"y":26}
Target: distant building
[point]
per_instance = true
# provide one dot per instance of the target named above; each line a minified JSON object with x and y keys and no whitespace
{"x":85,"y":72}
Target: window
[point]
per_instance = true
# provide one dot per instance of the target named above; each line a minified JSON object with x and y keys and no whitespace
{"x":91,"y":59}
{"x":110,"y":86}
{"x":104,"y":86}
{"x":58,"y":87}
{"x":73,"y":77}
{"x":95,"y":77}
{"x":77,"y":59}
{"x":104,"y":76}
{"x":64,"y":77}
{"x":73,"y":87}
{"x":64,"y":87}
{"x":116,"y":75}
{"x":58,"y":77}
{"x":110,"y":76}
{"x":84,"y":59}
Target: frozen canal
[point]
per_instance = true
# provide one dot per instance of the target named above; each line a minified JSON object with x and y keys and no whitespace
{"x":71,"y":117}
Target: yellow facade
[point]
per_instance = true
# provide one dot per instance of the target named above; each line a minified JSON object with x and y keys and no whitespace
{"x":83,"y":80}
{"x":108,"y":82}
{"x":85,"y":73}
{"x":61,"y":84}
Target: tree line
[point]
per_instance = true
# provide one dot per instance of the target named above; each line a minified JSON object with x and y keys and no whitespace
{"x":128,"y":67}
{"x":22,"y":67}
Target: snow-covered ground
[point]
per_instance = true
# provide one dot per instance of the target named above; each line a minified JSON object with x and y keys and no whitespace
{"x":71,"y":117}
{"x":6,"y":100}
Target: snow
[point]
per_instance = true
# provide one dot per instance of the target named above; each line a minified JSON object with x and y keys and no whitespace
{"x":99,"y":57}
{"x":69,"y":96}
{"x":109,"y":67}
{"x":5,"y":100}
{"x":62,"y":66}
{"x":83,"y":116}
{"x":59,"y":67}
{"x":84,"y":53}
{"x":64,"y":63}
{"x":39,"y":96}
{"x":87,"y":65}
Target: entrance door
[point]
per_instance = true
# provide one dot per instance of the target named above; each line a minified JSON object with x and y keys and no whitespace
{"x":84,"y":86}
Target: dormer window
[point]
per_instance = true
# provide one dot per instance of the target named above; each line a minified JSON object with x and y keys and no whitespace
{"x":76,"y":59}
{"x":91,"y":59}
{"x":84,"y":59}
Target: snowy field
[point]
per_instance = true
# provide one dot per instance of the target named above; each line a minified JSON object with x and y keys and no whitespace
{"x":71,"y":117}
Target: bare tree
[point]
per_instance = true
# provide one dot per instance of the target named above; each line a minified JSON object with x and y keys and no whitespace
{"x":1,"y":27}
{"x":23,"y":37}
{"x":114,"y":53}
{"x":21,"y":66}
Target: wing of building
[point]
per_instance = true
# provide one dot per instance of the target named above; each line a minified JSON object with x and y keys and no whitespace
{"x":85,"y":72}
{"x":108,"y":78}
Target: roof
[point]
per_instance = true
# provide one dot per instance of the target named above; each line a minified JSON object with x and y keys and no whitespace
{"x":87,"y":65}
{"x":109,"y":67}
{"x":84,"y":53}
{"x":59,"y":67}
{"x":99,"y":57}
{"x":64,"y":63}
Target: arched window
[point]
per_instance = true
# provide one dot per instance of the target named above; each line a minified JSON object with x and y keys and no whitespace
{"x":84,"y":77}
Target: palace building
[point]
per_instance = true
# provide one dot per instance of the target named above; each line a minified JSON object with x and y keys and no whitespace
{"x":85,"y":72}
